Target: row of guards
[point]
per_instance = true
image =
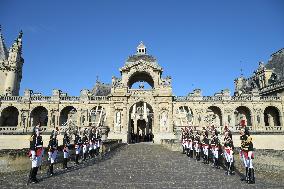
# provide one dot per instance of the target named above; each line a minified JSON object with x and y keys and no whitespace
{"x":87,"y":146}
{"x":199,"y":145}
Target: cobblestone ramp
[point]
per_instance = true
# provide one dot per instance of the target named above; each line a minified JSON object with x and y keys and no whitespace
{"x":140,"y":166}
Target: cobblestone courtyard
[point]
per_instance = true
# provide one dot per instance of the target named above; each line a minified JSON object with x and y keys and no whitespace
{"x":138,"y":166}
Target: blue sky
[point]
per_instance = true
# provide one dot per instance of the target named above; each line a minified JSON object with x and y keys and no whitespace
{"x":201,"y":44}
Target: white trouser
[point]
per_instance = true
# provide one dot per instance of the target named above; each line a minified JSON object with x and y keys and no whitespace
{"x":229,"y":155}
{"x":66,"y":153}
{"x":52,"y":156}
{"x":190,"y":146}
{"x":34,"y":159}
{"x":215,"y":153}
{"x":205,"y":150}
{"x":247,"y":161}
{"x":196,"y":147}
{"x":78,"y":150}
{"x":91,"y":146}
{"x":85,"y":148}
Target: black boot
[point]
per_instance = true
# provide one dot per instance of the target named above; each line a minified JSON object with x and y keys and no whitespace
{"x":232,"y":170}
{"x":77,"y":159}
{"x":36,"y":170}
{"x":217,"y":163}
{"x":251,"y":176}
{"x":64,"y":163}
{"x":51,"y":169}
{"x":183,"y":150}
{"x":227,"y":165}
{"x":246,"y":176}
{"x":33,"y":175}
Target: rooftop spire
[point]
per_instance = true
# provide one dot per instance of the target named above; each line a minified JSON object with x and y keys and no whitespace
{"x":3,"y":49}
{"x":141,"y":49}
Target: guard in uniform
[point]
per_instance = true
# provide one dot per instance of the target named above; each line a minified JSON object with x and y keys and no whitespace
{"x":98,"y":146}
{"x":205,"y":147}
{"x":35,"y":154}
{"x":78,"y":144}
{"x":247,"y":155}
{"x":85,"y":142}
{"x":229,"y":153}
{"x":197,"y":145}
{"x":52,"y":151}
{"x":91,"y":143}
{"x":215,"y":147}
{"x":183,"y":140}
{"x":66,"y":144}
{"x":190,"y":143}
{"x":186,"y":140}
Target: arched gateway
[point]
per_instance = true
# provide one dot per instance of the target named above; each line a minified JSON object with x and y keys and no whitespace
{"x":139,"y":112}
{"x":141,"y":118}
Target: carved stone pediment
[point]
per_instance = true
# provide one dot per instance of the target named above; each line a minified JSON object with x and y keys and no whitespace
{"x":141,"y":65}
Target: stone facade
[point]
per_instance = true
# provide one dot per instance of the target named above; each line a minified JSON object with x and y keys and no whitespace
{"x":128,"y":110}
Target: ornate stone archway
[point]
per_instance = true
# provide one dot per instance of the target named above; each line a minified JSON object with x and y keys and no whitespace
{"x":141,"y":122}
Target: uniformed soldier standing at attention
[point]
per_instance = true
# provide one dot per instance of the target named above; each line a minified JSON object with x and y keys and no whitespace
{"x":36,"y":153}
{"x":52,"y":151}
{"x":91,"y":143}
{"x":247,"y":155}
{"x":229,"y":153}
{"x":85,"y":142}
{"x":183,"y":140}
{"x":66,"y":144}
{"x":197,"y":145}
{"x":77,"y":143}
{"x":215,"y":147}
{"x":190,"y":143}
{"x":205,"y":146}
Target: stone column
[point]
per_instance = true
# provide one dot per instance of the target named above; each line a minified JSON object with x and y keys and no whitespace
{"x":135,"y":126}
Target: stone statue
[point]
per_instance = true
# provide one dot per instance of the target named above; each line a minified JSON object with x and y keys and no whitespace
{"x":163,"y":121}
{"x":118,"y":121}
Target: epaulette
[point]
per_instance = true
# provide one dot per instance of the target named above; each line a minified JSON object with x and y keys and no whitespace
{"x":31,"y":138}
{"x":249,"y":139}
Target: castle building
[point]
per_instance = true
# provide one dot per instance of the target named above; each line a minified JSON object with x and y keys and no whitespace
{"x":130,"y":109}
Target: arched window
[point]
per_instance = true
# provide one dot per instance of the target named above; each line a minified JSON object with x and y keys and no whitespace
{"x":141,"y":80}
{"x":243,"y":116}
{"x":9,"y":116}
{"x":68,"y":114}
{"x":39,"y":115}
{"x":271,"y":116}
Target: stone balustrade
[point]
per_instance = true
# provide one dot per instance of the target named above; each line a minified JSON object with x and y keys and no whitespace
{"x":11,"y":98}
{"x":269,"y":129}
{"x":225,"y":98}
{"x":40,"y":98}
{"x":69,"y":98}
{"x":49,"y":98}
{"x":272,"y":86}
{"x":98,"y":98}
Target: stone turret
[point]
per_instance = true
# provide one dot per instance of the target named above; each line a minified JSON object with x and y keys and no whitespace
{"x":11,"y":64}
